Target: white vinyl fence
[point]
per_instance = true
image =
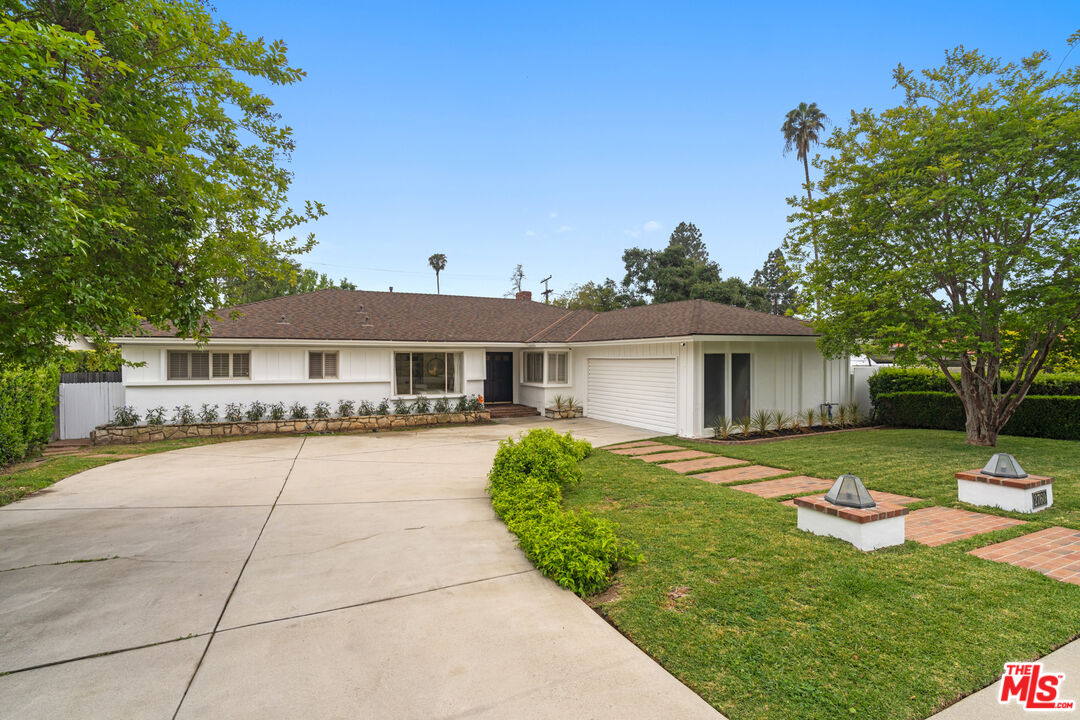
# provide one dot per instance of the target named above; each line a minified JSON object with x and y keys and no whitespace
{"x":86,"y":401}
{"x":860,"y":385}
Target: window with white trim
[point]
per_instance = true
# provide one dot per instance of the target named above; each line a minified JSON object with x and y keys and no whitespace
{"x":226,"y":365}
{"x":322,"y":365}
{"x":534,"y":367}
{"x":188,"y":365}
{"x":557,"y":362}
{"x":426,"y":373}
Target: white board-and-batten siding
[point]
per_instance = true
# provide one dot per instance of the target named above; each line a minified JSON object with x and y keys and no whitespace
{"x":279,"y":374}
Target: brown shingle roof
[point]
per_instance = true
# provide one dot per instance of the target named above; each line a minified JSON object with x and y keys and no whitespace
{"x":337,"y":314}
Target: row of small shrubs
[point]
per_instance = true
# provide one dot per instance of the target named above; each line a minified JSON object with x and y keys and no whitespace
{"x":237,"y":412}
{"x":27,"y":399}
{"x":764,"y":423}
{"x":891,"y":380}
{"x":574,"y":548}
{"x":1044,"y":416}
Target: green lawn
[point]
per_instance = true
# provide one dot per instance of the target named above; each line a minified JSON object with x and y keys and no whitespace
{"x":765,"y":621}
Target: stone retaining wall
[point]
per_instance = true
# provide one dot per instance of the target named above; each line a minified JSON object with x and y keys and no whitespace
{"x":365,"y":423}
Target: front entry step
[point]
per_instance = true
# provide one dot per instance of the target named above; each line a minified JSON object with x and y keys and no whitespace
{"x":510,"y":410}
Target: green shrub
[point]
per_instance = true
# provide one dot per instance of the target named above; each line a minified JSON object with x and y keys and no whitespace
{"x":575,"y":549}
{"x":27,"y":399}
{"x":1045,"y":416}
{"x":891,"y":380}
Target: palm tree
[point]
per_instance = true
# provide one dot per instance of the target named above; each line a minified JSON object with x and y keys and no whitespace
{"x":800,"y":130}
{"x":438,"y":264}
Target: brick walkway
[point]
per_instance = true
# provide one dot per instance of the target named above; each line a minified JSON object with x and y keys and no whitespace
{"x":647,"y":449}
{"x":750,"y":472}
{"x":940,"y":525}
{"x":708,"y":463}
{"x":786,"y":486}
{"x":639,"y":443}
{"x":1055,"y":552}
{"x":669,"y":456}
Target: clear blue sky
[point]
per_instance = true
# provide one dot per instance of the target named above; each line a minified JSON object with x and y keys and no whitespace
{"x":555,"y":135}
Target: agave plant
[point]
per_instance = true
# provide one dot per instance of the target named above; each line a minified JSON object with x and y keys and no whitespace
{"x":721,"y":427}
{"x":559,"y":402}
{"x":855,"y":416}
{"x":762,"y":422}
{"x":745,"y":425}
{"x":782,"y":420}
{"x":796,"y":422}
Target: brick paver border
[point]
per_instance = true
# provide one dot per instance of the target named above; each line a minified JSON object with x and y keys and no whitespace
{"x":940,"y":525}
{"x":1055,"y":552}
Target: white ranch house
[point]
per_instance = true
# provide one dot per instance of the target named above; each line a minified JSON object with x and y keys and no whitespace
{"x":671,"y":368}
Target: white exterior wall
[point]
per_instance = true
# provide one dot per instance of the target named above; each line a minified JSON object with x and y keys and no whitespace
{"x":681,"y":351}
{"x":786,"y":374}
{"x":278,"y":373}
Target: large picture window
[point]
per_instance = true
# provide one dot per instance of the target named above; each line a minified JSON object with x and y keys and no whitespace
{"x":425,"y":373}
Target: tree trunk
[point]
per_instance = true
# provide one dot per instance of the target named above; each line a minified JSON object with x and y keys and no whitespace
{"x":981,"y":408}
{"x":810,"y":197}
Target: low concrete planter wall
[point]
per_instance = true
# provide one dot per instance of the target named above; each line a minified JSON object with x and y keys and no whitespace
{"x":563,"y":414}
{"x":364,"y":423}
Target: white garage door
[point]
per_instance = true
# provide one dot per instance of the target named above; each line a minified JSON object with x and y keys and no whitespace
{"x":639,"y":392}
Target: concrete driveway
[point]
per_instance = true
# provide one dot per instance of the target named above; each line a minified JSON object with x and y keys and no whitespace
{"x":323,"y":577}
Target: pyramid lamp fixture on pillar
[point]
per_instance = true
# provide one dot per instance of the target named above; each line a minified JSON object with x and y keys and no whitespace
{"x":1004,"y":465}
{"x":849,"y":491}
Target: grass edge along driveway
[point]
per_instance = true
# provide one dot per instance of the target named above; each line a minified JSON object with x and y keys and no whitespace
{"x":765,"y":621}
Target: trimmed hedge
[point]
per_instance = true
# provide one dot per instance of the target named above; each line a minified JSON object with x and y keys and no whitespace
{"x":27,"y":399}
{"x":575,"y":549}
{"x":1043,"y":416}
{"x":890,"y":380}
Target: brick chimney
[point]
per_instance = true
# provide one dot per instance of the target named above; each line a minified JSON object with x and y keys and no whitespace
{"x":524,"y":295}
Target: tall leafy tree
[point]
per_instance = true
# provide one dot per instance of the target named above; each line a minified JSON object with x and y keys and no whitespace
{"x":776,"y":279}
{"x":683,"y":271}
{"x":801,"y":129}
{"x":438,"y":264}
{"x":140,"y":171}
{"x":595,"y":296}
{"x":949,"y":228}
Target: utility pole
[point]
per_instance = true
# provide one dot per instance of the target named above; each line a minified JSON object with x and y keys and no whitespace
{"x":546,"y":291}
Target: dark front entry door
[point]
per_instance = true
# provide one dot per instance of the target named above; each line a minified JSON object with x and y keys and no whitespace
{"x":714,"y":387}
{"x":499,"y":385}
